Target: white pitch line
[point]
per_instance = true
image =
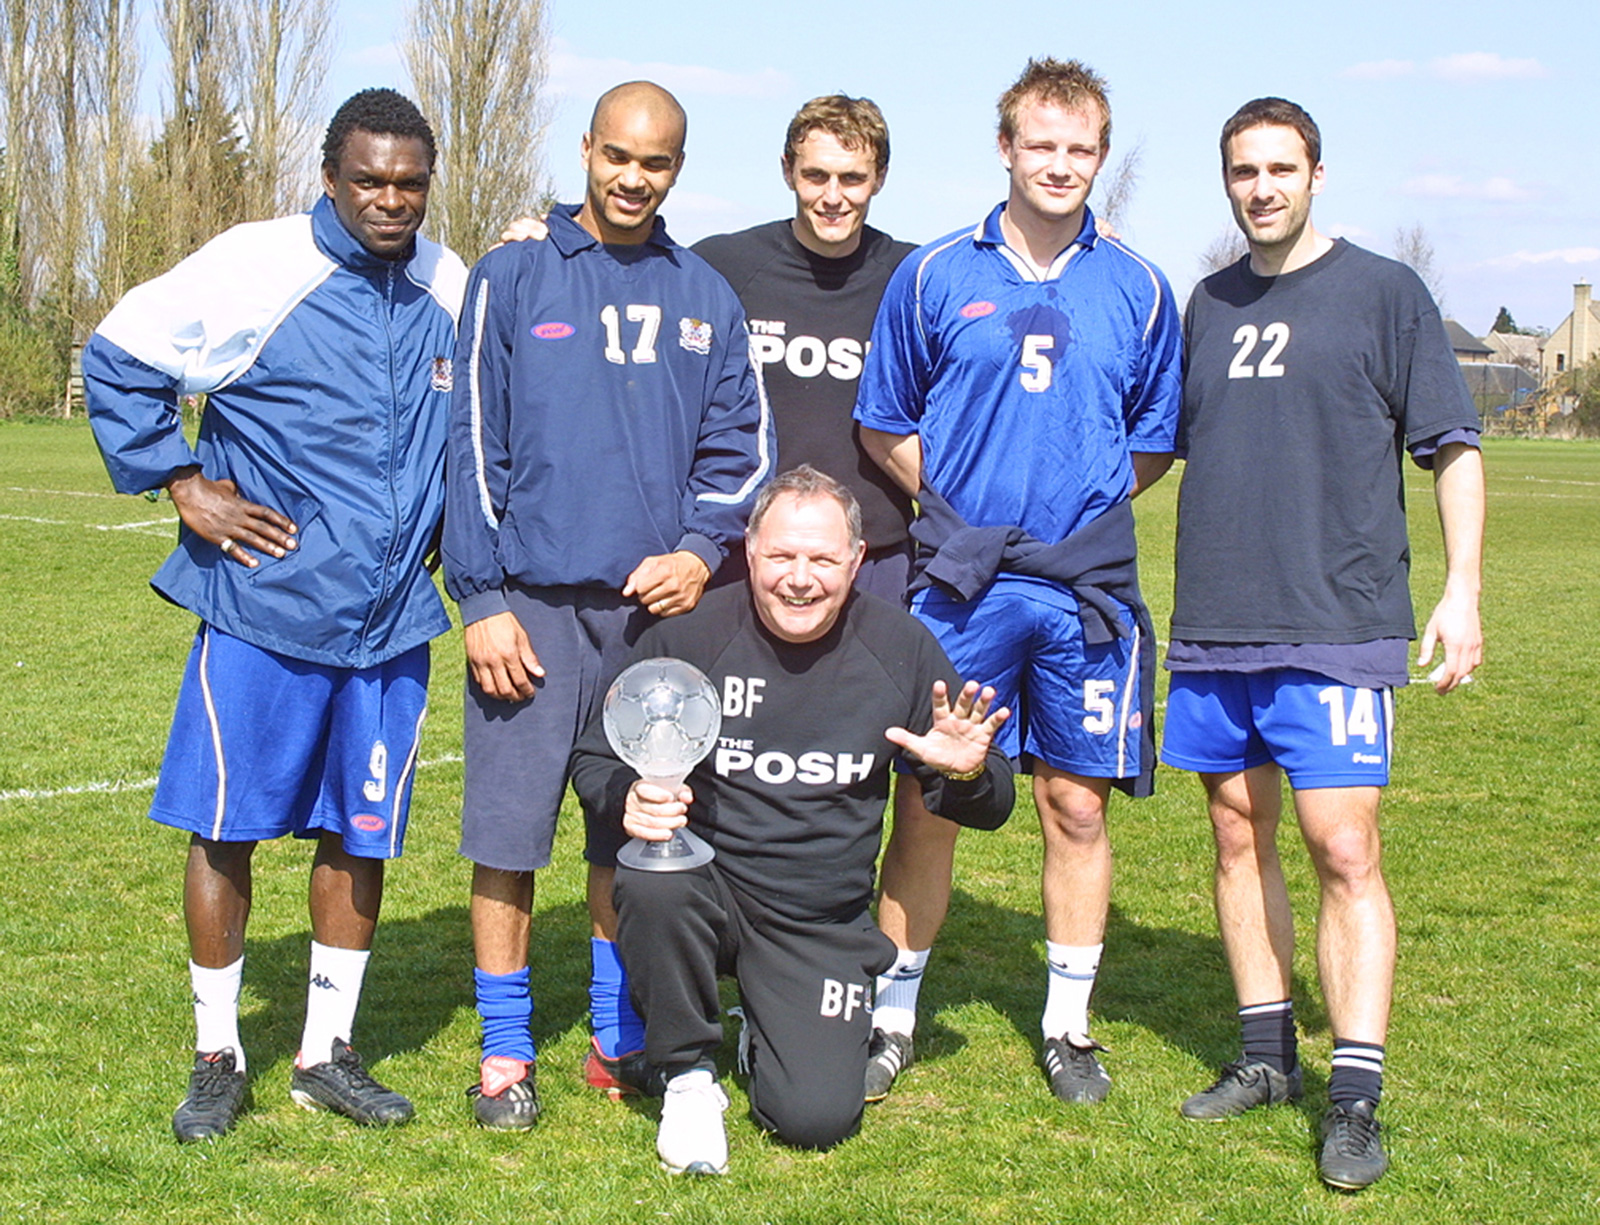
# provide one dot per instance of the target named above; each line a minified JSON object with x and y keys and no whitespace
{"x":1550,"y":480}
{"x":147,"y":784}
{"x":144,"y":527}
{"x":31,"y":519}
{"x":130,"y":527}
{"x":63,"y":493}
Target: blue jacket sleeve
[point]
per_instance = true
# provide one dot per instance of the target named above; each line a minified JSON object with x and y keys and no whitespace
{"x":478,"y":456}
{"x":134,"y":411}
{"x":895,"y":377}
{"x":1151,"y":409}
{"x":735,"y":452}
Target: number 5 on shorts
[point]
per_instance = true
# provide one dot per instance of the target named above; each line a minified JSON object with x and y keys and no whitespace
{"x":1102,"y":711}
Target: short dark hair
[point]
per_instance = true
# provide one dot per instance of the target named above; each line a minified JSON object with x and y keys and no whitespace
{"x":807,"y":482}
{"x":383,"y":112}
{"x":1071,"y":84}
{"x":856,"y":123}
{"x":1278,"y":113}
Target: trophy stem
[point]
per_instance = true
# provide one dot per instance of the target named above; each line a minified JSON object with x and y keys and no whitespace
{"x":684,"y":850}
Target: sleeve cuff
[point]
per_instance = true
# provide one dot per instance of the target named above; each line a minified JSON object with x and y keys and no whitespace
{"x":481,"y":604}
{"x":703,"y":547}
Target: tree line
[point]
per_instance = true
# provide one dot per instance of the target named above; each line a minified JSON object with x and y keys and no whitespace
{"x":96,"y":197}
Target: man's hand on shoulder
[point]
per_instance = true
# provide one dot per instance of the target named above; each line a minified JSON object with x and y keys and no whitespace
{"x":668,"y":584}
{"x":958,"y":742}
{"x":652,"y":812}
{"x":215,"y":511}
{"x":501,"y":658}
{"x":524,"y":229}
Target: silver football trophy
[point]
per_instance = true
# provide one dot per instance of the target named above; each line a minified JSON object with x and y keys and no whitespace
{"x":662,"y":717}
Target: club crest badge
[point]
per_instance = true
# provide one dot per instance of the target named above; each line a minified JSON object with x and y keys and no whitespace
{"x":444,"y":378}
{"x":695,"y":335}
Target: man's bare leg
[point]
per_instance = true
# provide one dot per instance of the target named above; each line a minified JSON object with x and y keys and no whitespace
{"x":1252,"y":901}
{"x":917,"y":869}
{"x":1076,"y":890}
{"x":345,"y":897}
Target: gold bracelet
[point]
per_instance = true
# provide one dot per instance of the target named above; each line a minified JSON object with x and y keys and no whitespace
{"x":968,"y":776}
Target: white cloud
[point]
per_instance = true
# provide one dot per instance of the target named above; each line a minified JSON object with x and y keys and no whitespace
{"x":1561,"y":255}
{"x":1454,"y":187}
{"x":1486,"y":66}
{"x":1380,"y":70}
{"x":587,"y":75}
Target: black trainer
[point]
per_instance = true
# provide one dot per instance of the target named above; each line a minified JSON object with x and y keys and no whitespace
{"x":1352,"y":1146}
{"x":216,"y":1097}
{"x":343,"y":1086}
{"x":888,"y":1054}
{"x":506,"y":1096}
{"x":1243,"y":1085}
{"x":628,"y":1075}
{"x":1075,"y":1074}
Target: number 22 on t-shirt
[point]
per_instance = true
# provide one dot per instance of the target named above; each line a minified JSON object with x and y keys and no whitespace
{"x":1275,"y":336}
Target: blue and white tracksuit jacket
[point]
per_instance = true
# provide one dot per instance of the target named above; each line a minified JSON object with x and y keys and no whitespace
{"x":329,"y":374}
{"x":606,"y":410}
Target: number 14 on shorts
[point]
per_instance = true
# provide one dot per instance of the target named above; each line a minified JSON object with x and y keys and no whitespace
{"x":1360,"y":722}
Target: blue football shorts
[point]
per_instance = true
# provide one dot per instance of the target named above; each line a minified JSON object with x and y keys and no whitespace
{"x":1073,"y":706}
{"x":1322,"y":733}
{"x":264,"y":745}
{"x":516,"y":752}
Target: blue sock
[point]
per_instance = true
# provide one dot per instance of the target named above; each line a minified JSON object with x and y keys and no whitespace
{"x":506,"y":1006}
{"x":617,"y":1026}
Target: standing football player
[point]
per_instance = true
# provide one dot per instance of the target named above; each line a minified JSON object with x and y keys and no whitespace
{"x":607,"y":438}
{"x":810,"y":285}
{"x":1023,"y":385}
{"x":308,"y":503}
{"x":1310,"y":362}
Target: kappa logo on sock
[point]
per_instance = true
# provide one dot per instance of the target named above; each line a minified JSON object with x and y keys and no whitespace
{"x":323,"y":981}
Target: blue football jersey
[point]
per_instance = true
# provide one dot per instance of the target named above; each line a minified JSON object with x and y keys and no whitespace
{"x":1029,"y":394}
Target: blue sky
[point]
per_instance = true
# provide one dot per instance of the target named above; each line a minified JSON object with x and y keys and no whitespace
{"x":1474,"y":120}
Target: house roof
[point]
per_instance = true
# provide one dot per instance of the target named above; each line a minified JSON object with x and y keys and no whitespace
{"x":1463,"y":341}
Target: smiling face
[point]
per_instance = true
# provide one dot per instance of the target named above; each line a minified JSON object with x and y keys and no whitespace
{"x":380,"y":190}
{"x":1270,"y":182}
{"x":833,"y":188}
{"x":802,"y":563}
{"x":631,"y":157}
{"x":1053,"y":159}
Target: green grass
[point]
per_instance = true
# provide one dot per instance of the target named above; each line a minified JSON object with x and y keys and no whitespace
{"x":1492,"y":824}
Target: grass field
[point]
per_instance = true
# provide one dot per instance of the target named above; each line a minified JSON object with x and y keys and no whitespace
{"x":1493,"y":839}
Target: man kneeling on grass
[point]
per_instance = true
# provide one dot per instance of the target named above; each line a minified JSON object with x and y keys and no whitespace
{"x":820,"y":685}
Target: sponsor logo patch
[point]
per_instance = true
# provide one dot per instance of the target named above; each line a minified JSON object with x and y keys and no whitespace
{"x":1136,"y":719}
{"x":551,"y":331}
{"x":695,"y":335}
{"x":977,"y":310}
{"x":369,"y":823}
{"x":444,"y":376}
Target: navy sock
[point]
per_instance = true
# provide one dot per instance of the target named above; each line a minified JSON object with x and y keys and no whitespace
{"x":506,"y":1006}
{"x":1357,"y":1072}
{"x":1268,"y":1031}
{"x":617,"y":1027}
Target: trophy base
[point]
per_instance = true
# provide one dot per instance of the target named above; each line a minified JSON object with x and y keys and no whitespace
{"x":682,"y":851}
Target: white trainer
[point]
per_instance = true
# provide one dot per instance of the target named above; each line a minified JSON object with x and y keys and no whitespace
{"x":691,"y":1138}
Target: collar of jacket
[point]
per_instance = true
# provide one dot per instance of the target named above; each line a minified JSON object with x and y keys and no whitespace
{"x":568,"y":237}
{"x":343,"y":247}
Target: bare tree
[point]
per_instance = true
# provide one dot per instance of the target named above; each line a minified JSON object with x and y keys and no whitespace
{"x":194,"y":185}
{"x":479,"y":68}
{"x":21,"y":34}
{"x":1411,"y":247}
{"x":118,"y":148}
{"x":1117,"y":196}
{"x":282,"y":67}
{"x":1227,"y":247}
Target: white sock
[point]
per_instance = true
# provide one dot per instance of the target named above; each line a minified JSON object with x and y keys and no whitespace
{"x":1066,"y":1006}
{"x":894,"y":1005}
{"x":331,"y":999}
{"x":216,"y":1008}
